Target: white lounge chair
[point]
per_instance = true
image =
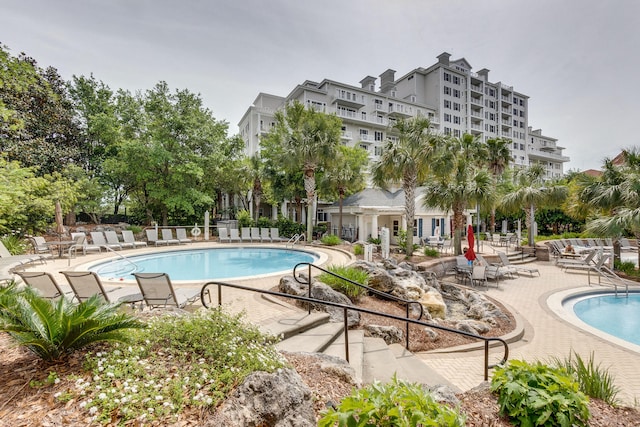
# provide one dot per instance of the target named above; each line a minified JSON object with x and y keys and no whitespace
{"x":158,"y":291}
{"x":98,"y":239}
{"x":245,"y":234}
{"x":264,"y":235}
{"x":234,"y":236}
{"x":86,"y":247}
{"x":181,"y":235}
{"x":128,"y":237}
{"x":517,"y":268}
{"x":112,"y":239}
{"x":275,"y":235}
{"x":167,"y":235}
{"x":152,"y":237}
{"x":223,"y":235}
{"x":86,"y":284}
{"x":255,"y":234}
{"x":44,"y":282}
{"x":41,"y":248}
{"x":6,"y":256}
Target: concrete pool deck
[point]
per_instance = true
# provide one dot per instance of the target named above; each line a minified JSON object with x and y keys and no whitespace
{"x":548,"y":332}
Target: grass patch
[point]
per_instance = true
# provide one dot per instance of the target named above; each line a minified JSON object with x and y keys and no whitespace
{"x":331,"y":240}
{"x":354,"y":292}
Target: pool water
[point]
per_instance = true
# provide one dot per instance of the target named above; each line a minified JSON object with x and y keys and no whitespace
{"x":618,"y":316}
{"x":205,"y":264}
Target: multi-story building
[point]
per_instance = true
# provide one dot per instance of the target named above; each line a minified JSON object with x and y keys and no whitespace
{"x":454,"y":98}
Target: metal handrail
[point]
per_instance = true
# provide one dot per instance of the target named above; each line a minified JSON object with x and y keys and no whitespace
{"x":135,"y":266}
{"x":294,"y":239}
{"x":368,"y":288}
{"x":204,"y":291}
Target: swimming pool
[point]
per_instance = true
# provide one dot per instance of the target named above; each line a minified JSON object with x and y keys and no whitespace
{"x":206,"y":264}
{"x":618,"y":316}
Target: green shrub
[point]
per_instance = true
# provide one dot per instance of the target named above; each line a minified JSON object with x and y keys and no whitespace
{"x":396,"y":404}
{"x":15,"y":244}
{"x":432,"y":252}
{"x":136,"y":229}
{"x":244,"y":218}
{"x":536,"y":394}
{"x":289,"y":228}
{"x":53,"y":329}
{"x":264,"y":222}
{"x":358,"y":249}
{"x":375,"y":240}
{"x":354,"y":292}
{"x":627,"y":267}
{"x":331,"y":240}
{"x":595,"y":381}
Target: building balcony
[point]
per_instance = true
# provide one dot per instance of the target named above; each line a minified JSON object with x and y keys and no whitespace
{"x":346,"y":135}
{"x":379,"y":108}
{"x":349,"y":99}
{"x":476,"y":114}
{"x":506,"y":87}
{"x":476,"y":88}
{"x":506,"y":123}
{"x":506,"y":98}
{"x":400,"y":110}
{"x":477,"y":101}
{"x":535,"y":154}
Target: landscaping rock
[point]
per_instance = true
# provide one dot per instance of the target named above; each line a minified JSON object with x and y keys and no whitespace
{"x":279,"y":399}
{"x":434,"y":304}
{"x":390,"y":334}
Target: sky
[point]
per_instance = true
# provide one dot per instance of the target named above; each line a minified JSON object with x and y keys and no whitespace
{"x":576,"y":60}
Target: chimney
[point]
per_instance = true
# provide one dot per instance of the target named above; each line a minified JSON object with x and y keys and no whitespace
{"x":484,"y":73}
{"x":387,"y":80}
{"x":443,"y":58}
{"x":369,"y":83}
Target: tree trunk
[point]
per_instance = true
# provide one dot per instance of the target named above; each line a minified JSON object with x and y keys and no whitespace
{"x":409,"y":211}
{"x":340,"y":215}
{"x":458,"y":224}
{"x":493,"y":220}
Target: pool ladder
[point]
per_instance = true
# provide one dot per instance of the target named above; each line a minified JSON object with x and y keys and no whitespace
{"x":294,"y":239}
{"x":135,"y":266}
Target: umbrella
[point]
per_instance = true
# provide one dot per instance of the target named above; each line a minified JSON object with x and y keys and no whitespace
{"x":59,"y":222}
{"x":470,"y":255}
{"x":436,"y":231}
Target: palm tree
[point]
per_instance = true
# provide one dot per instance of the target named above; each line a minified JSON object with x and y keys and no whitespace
{"x":406,"y":160}
{"x":458,"y":179}
{"x":617,"y":197}
{"x":344,"y":175}
{"x":255,"y":171}
{"x":532,"y":191}
{"x":303,"y":139}
{"x":498,"y":157}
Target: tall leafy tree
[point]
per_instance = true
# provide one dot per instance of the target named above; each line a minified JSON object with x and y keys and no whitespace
{"x":303,"y":139}
{"x":498,"y":158}
{"x":616,"y":196}
{"x":531,"y":190}
{"x":459,"y":179}
{"x":344,"y":176}
{"x":406,"y":160}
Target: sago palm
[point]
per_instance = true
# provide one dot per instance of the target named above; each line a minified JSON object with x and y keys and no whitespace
{"x":52,"y":329}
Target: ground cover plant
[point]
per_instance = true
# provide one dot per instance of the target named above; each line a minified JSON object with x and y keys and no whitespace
{"x":331,"y":240}
{"x":533,"y":394}
{"x":354,"y":292}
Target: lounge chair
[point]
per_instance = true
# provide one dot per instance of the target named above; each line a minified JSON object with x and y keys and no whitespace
{"x":255,"y":234}
{"x":158,"y":291}
{"x":85,"y":284}
{"x":586,"y":260}
{"x":625,"y":245}
{"x":112,"y":239}
{"x":504,"y":260}
{"x":181,"y":235}
{"x":128,"y":237}
{"x":152,"y":237}
{"x":41,"y":247}
{"x":167,"y":236}
{"x":264,"y":235}
{"x":234,"y":236}
{"x":245,"y":235}
{"x":275,"y":235}
{"x":16,"y":260}
{"x":223,"y":235}
{"x":98,"y":239}
{"x":494,"y":272}
{"x":43,"y":282}
{"x":86,"y":247}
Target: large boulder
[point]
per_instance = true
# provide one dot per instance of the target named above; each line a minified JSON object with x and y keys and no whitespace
{"x":434,"y":304}
{"x":279,"y":399}
{"x":390,"y":334}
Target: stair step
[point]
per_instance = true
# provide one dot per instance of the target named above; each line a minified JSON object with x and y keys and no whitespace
{"x":356,"y":350}
{"x":412,"y":369}
{"x":312,"y":340}
{"x":291,"y":325}
{"x":379,"y":363}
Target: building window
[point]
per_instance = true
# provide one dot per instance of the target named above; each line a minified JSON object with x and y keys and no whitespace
{"x":447,"y":103}
{"x":456,"y":133}
{"x":456,"y":120}
{"x":365,"y":147}
{"x":447,"y":131}
{"x":456,"y":80}
{"x":522,"y":102}
{"x":364,"y":134}
{"x":447,"y":90}
{"x":515,"y":145}
{"x":447,"y":117}
{"x":456,"y":93}
{"x":377,"y":151}
{"x":522,"y":146}
{"x":396,"y":227}
{"x":515,"y":123}
{"x":447,"y":77}
{"x":378,"y":136}
{"x":521,"y":113}
{"x":456,"y":106}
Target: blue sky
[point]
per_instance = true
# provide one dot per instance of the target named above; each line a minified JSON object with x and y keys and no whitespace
{"x":577,"y":61}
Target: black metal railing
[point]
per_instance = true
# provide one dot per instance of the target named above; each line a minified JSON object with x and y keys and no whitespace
{"x":205,"y":292}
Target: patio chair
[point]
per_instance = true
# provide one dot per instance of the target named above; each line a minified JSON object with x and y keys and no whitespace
{"x":479,"y":275}
{"x":493,"y":272}
{"x":158,"y":291}
{"x":112,"y":239}
{"x":275,"y":235}
{"x":463,"y":268}
{"x":86,"y":246}
{"x":44,"y":282}
{"x":264,"y":235}
{"x":625,"y":245}
{"x":167,"y":235}
{"x":128,"y":237}
{"x":586,"y":260}
{"x":152,"y":237}
{"x":509,"y":268}
{"x":245,"y":234}
{"x":234,"y":236}
{"x":255,"y":234}
{"x":181,"y":235}
{"x":40,"y":247}
{"x":19,"y":259}
{"x":98,"y":238}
